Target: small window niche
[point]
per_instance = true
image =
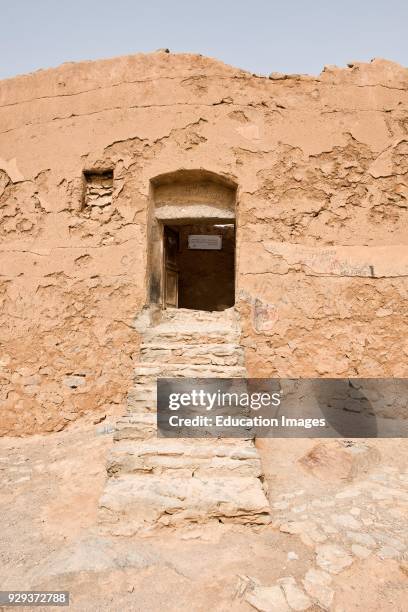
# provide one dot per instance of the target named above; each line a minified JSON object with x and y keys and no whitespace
{"x":98,"y":188}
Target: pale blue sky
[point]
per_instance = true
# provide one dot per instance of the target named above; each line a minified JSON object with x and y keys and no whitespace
{"x":259,"y":35}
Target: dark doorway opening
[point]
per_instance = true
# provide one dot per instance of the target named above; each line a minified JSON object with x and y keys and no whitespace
{"x":199,"y":265}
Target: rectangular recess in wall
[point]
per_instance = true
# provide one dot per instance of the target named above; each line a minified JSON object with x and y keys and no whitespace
{"x":98,"y":188}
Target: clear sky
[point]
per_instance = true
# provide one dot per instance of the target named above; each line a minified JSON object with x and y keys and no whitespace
{"x":262,"y":36}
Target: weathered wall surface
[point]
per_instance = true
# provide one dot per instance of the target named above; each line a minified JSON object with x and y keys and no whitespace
{"x":321,"y":165}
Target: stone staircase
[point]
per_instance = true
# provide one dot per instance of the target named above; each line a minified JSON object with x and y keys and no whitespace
{"x":159,"y":481}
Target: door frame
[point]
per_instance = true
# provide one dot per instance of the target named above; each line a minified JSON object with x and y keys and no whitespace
{"x":165,"y":268}
{"x":156,"y":254}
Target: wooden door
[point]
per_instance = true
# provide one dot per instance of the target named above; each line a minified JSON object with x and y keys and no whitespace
{"x":171,"y":271}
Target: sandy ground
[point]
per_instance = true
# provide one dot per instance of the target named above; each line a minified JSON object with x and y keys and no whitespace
{"x":50,"y":537}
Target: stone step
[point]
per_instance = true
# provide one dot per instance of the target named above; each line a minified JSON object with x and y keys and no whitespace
{"x":184,"y":315}
{"x":193,"y":333}
{"x":132,"y":503}
{"x":135,"y":427}
{"x":223,"y":348}
{"x":178,"y":458}
{"x":142,"y":397}
{"x":178,"y":352}
{"x":147,"y":372}
{"x":139,"y":407}
{"x":161,"y":481}
{"x":144,"y":390}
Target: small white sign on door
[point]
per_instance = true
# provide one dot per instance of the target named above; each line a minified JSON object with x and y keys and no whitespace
{"x":208,"y":243}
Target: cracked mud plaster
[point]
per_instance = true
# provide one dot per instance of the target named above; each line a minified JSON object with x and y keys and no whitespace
{"x":321,"y":165}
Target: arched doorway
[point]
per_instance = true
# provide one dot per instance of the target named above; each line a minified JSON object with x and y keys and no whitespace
{"x":192,"y":241}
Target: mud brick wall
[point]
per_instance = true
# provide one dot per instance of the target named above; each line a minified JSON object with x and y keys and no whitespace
{"x":321,"y":168}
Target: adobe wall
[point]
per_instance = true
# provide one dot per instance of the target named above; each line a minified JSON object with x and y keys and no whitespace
{"x":321,"y":165}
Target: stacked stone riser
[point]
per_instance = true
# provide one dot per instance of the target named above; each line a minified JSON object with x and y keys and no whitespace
{"x":133,"y":503}
{"x":142,"y":396}
{"x":181,"y":458}
{"x":209,"y":354}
